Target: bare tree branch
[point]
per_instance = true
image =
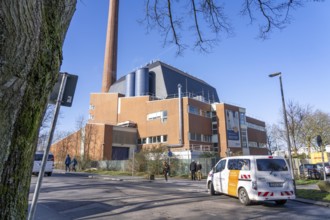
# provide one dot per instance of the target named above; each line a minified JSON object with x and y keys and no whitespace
{"x":209,"y":21}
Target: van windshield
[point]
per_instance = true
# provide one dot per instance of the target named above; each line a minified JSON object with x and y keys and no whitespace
{"x":38,"y":157}
{"x":271,"y":165}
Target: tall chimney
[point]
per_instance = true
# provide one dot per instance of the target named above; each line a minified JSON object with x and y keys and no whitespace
{"x":110,"y":56}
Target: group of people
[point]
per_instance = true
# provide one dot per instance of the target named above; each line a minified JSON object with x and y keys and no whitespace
{"x":68,"y":163}
{"x":196,"y":170}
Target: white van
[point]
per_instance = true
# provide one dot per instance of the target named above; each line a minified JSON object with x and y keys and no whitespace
{"x":252,"y":178}
{"x":37,"y":163}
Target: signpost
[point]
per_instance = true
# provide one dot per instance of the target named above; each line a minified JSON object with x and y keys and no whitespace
{"x":319,"y":143}
{"x":64,"y":92}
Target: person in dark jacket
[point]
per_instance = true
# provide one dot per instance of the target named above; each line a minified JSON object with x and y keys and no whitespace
{"x":193,"y":168}
{"x":166,"y":169}
{"x":74,"y":164}
{"x":199,"y":171}
{"x":67,"y":163}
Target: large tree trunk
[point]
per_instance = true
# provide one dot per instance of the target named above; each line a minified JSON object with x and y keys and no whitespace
{"x":31,"y":38}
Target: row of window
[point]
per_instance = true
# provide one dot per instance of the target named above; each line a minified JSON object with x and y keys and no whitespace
{"x":196,"y":111}
{"x":244,"y":164}
{"x":162,"y":115}
{"x":256,"y":144}
{"x":200,"y":137}
{"x":256,"y":127}
{"x":153,"y":139}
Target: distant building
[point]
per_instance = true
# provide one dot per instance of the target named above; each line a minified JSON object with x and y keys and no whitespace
{"x":159,"y":105}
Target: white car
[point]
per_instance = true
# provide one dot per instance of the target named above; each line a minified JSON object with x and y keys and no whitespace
{"x":37,"y":163}
{"x":252,"y":178}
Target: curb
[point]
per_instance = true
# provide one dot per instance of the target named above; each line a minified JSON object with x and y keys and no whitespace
{"x":308,"y":201}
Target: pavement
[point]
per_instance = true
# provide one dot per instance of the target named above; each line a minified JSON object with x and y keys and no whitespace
{"x":43,"y":212}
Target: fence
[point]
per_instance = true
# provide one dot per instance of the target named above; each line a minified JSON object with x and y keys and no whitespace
{"x":179,"y":167}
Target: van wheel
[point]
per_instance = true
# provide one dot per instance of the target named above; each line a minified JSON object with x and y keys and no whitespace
{"x":211,"y":189}
{"x":37,"y":174}
{"x":243,"y":197}
{"x":280,"y":202}
{"x":49,"y":174}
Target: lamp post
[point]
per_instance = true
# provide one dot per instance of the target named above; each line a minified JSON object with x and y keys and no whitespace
{"x":286,"y":126}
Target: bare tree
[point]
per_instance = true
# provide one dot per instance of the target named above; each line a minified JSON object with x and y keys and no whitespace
{"x":317,"y":123}
{"x":275,"y":137}
{"x":297,"y":114}
{"x":207,"y":19}
{"x":31,"y":38}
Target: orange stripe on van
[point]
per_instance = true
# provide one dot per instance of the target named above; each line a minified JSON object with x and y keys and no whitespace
{"x":233,"y":182}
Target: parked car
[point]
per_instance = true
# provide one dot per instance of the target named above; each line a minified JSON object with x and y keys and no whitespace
{"x":319,"y":167}
{"x":309,"y":171}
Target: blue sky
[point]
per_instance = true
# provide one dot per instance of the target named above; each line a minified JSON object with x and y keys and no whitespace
{"x":238,"y":67}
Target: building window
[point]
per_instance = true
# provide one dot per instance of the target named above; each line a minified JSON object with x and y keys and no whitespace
{"x":162,"y":115}
{"x":242,"y":118}
{"x":253,"y":144}
{"x":256,"y":127}
{"x":153,"y":140}
{"x":200,"y":137}
{"x":214,"y":116}
{"x":193,"y":110}
{"x":164,"y":138}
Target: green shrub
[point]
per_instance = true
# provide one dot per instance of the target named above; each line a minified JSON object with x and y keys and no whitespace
{"x":324,"y":186}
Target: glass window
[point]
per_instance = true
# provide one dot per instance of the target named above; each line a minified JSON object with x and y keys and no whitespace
{"x":271,"y":165}
{"x":165,"y":138}
{"x":198,"y":137}
{"x":193,"y":110}
{"x":220,"y":166}
{"x":233,"y":164}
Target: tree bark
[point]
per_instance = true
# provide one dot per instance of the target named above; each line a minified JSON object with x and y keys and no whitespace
{"x":31,"y":39}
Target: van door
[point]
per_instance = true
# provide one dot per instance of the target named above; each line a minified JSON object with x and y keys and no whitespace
{"x":218,"y":177}
{"x":224,"y":178}
{"x":273,"y":176}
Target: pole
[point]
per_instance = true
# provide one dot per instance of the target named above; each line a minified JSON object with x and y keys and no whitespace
{"x":133,"y":162}
{"x":320,"y":144}
{"x":324,"y":174}
{"x":45,"y":157}
{"x":287,"y":134}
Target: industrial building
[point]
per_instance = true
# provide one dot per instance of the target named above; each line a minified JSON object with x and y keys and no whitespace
{"x":159,"y":105}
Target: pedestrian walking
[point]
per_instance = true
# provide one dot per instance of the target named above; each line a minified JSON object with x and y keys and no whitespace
{"x":74,"y":164}
{"x":193,"y":170}
{"x":166,"y":169}
{"x":67,"y":163}
{"x":199,"y":171}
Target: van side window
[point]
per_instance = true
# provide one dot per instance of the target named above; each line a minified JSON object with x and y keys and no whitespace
{"x":244,"y":164}
{"x":233,"y":164}
{"x":220,"y":166}
{"x":238,"y":164}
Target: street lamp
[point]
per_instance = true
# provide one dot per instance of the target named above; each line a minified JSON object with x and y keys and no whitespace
{"x":286,"y":126}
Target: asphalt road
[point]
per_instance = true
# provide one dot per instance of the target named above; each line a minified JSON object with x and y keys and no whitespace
{"x":79,"y":196}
